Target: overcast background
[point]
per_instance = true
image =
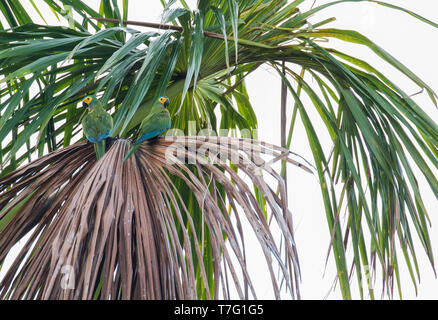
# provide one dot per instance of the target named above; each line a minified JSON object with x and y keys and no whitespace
{"x":415,"y":44}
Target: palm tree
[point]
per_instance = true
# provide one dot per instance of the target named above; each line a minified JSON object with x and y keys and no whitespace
{"x":167,"y":224}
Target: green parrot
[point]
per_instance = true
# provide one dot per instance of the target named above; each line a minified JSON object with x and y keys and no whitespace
{"x":97,"y":124}
{"x":155,"y":123}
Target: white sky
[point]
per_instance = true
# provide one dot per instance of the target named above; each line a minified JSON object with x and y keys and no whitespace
{"x":409,"y":40}
{"x":415,"y":45}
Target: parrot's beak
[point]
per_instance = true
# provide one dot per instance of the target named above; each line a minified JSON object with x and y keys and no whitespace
{"x":166,"y":103}
{"x":84,"y":104}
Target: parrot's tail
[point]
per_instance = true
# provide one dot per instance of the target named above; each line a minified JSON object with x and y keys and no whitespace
{"x":99,"y":148}
{"x":131,"y":151}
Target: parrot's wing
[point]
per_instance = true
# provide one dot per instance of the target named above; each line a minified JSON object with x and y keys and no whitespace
{"x":154,"y":124}
{"x":157,"y":121}
{"x":104,"y":122}
{"x":89,"y":128}
{"x":97,"y":125}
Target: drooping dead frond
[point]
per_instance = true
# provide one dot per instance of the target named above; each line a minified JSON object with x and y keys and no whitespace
{"x":112,"y":230}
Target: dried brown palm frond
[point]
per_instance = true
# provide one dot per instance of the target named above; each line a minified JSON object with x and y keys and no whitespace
{"x":112,"y":230}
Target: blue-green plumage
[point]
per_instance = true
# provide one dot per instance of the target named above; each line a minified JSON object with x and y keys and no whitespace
{"x":97,"y":124}
{"x":155,"y":123}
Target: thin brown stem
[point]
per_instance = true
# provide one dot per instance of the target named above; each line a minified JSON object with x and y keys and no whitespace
{"x":160,"y":26}
{"x":283,"y":109}
{"x":283,"y":119}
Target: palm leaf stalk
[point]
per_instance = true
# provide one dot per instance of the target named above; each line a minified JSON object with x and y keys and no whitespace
{"x":380,"y":136}
{"x":110,"y":230}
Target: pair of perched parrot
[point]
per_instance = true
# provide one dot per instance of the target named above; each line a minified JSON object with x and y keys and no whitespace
{"x":97,"y":124}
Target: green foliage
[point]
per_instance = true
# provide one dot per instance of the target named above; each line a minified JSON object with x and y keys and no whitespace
{"x":379,"y":133}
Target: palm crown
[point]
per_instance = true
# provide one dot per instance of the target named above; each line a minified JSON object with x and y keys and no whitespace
{"x":199,"y":58}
